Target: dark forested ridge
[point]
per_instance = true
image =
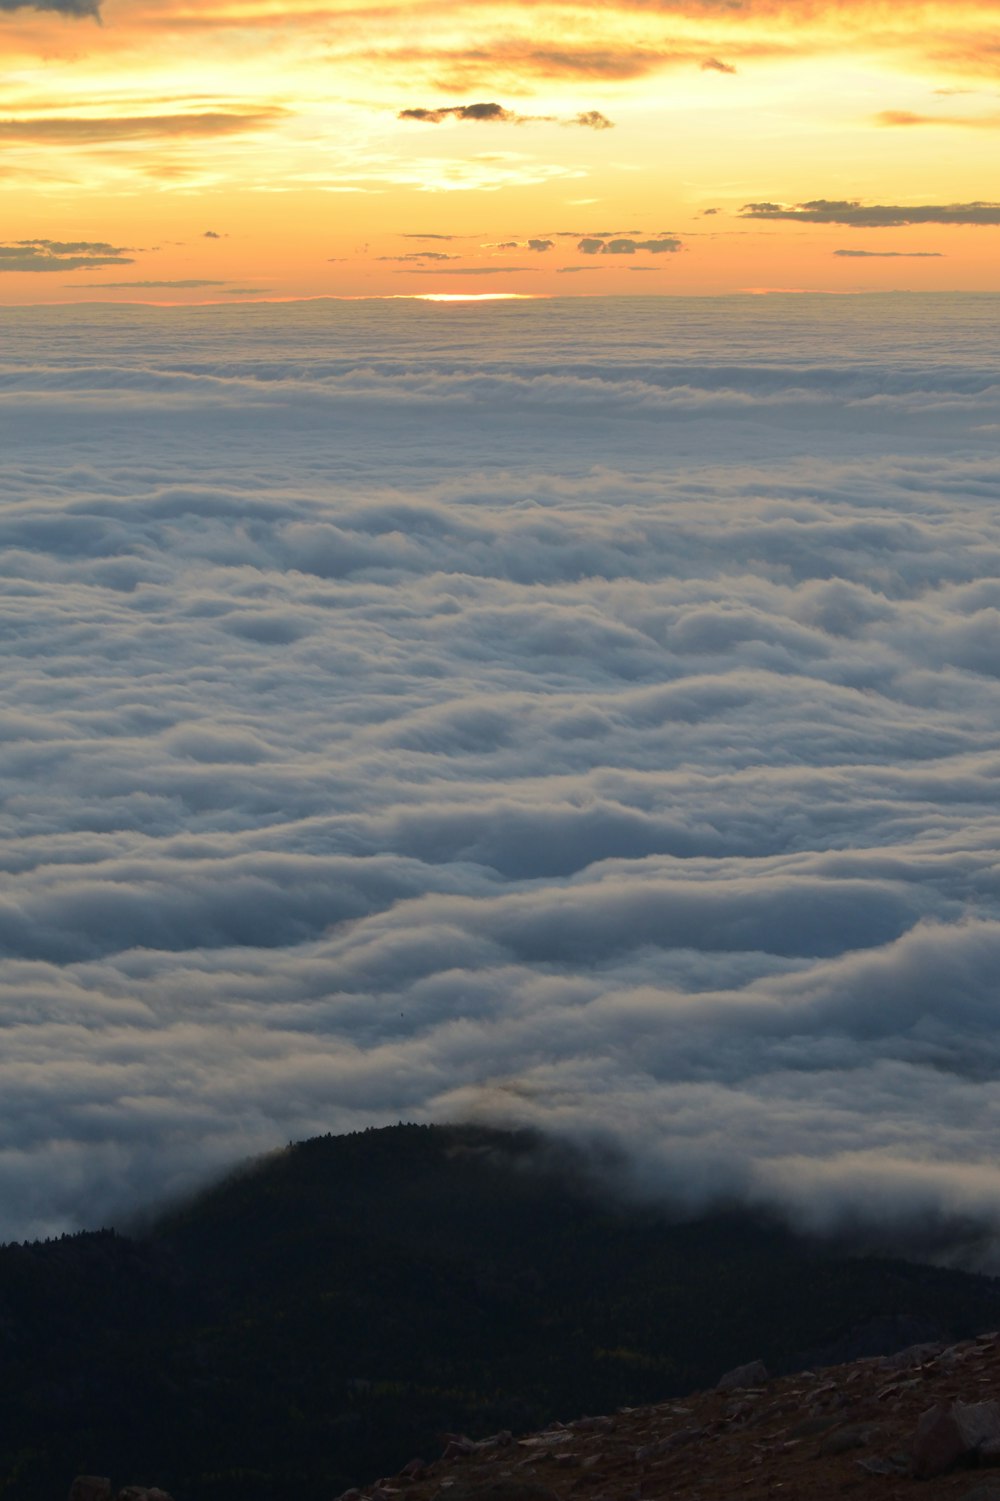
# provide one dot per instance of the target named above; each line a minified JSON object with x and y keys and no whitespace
{"x":322,"y":1316}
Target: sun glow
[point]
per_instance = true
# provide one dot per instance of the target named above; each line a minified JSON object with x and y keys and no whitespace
{"x":472,"y":297}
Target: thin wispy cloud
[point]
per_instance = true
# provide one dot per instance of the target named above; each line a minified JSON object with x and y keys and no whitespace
{"x":904,"y":117}
{"x":500,"y":269}
{"x":86,"y":129}
{"x":183,"y":282}
{"x":890,"y":255}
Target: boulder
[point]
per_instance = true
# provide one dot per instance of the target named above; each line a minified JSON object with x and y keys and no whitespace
{"x":754,"y":1374}
{"x":884,"y":1464}
{"x":912,"y":1357}
{"x":855,"y":1436}
{"x":947,"y":1435}
{"x":90,"y":1488}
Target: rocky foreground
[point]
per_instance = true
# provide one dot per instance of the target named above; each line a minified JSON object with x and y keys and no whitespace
{"x":921,"y":1423}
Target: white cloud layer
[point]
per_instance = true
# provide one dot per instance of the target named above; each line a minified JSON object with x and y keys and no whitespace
{"x":578,"y":712}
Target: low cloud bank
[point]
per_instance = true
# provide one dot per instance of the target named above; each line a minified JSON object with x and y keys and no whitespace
{"x":483,"y":712}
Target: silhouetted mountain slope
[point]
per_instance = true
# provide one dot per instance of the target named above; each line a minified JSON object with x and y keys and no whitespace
{"x":321,"y":1316}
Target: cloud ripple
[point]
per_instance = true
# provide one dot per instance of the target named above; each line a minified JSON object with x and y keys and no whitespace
{"x":517,"y":711}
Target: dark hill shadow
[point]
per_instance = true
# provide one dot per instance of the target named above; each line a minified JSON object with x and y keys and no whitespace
{"x":321,"y":1316}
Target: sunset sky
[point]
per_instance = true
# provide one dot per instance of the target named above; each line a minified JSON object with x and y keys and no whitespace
{"x":215,"y":150}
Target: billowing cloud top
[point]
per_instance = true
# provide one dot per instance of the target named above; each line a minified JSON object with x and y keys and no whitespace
{"x":574,"y":712}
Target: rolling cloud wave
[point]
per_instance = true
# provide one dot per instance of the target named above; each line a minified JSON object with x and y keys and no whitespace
{"x":409,"y":717}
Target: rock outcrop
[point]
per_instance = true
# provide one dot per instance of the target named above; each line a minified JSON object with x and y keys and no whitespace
{"x":949,"y":1435}
{"x":923,"y":1423}
{"x":753,"y":1374}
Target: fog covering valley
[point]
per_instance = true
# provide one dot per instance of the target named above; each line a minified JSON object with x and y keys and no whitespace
{"x":579,"y":713}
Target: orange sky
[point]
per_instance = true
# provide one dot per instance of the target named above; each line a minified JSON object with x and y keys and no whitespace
{"x":214,"y":150}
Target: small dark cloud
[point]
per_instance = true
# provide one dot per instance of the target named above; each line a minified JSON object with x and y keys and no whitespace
{"x":708,"y":212}
{"x":211,"y":234}
{"x":591,"y":119}
{"x":493,"y":113}
{"x":874,"y":215}
{"x":62,"y":255}
{"x":539,"y":245}
{"x":569,"y":270}
{"x":592,"y":245}
{"x":891,"y":255}
{"x":714,"y":65}
{"x":432,"y":237}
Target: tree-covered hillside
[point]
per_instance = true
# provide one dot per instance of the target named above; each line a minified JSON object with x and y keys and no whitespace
{"x":322,"y":1316}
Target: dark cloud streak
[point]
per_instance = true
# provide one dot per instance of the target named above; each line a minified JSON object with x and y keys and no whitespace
{"x":118,"y":285}
{"x":890,"y":255}
{"x":87,"y":130}
{"x":62,"y":255}
{"x":75,"y":9}
{"x":874,"y":216}
{"x":494,"y":114}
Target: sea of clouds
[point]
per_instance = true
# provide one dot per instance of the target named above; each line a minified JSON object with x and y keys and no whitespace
{"x":584,"y":713}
